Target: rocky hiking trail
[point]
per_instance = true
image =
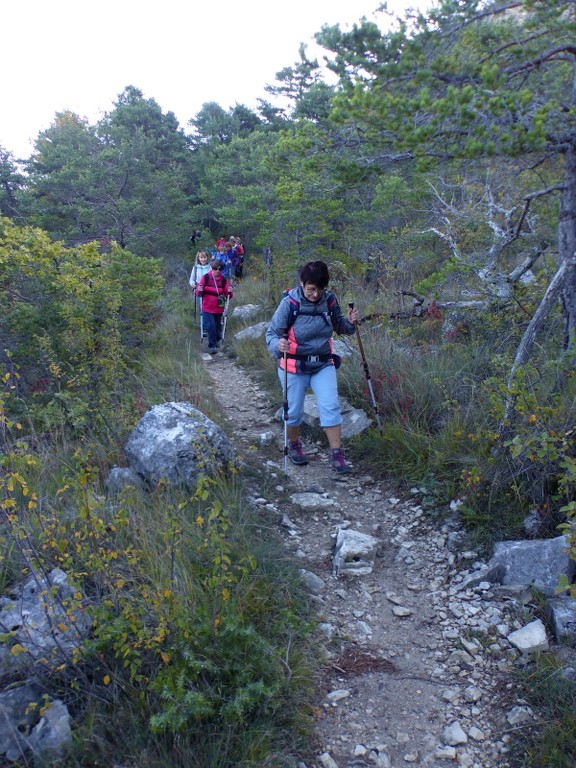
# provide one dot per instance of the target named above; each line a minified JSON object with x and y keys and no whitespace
{"x":419,"y":671}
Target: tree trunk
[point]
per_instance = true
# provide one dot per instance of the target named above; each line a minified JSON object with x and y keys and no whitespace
{"x":555,"y":288}
{"x":567,"y":245}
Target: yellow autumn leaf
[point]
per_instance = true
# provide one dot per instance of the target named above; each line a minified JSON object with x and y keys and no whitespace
{"x":17,"y":649}
{"x":106,"y":679}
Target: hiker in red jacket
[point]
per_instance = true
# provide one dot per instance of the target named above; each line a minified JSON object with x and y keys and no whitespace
{"x":214,"y":289}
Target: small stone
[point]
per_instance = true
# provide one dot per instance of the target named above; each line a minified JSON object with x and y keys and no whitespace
{"x":450,"y":694}
{"x":313,"y":582}
{"x":379,"y":758}
{"x":472,"y":693}
{"x":327,"y":761}
{"x":328,"y":630}
{"x":472,"y":648}
{"x":445,"y":753}
{"x":530,"y":638}
{"x":518,"y":715}
{"x":338,"y":695}
{"x":454,"y":734}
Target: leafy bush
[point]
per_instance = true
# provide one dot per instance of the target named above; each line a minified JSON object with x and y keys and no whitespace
{"x":74,"y":319}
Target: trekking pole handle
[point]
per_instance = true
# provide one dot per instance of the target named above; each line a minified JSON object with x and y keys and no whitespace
{"x":351,"y":307}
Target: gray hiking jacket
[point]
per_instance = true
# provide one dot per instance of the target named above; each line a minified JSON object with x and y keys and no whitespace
{"x":310,"y":335}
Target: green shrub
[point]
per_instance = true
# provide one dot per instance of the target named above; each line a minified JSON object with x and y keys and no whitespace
{"x":552,"y":741}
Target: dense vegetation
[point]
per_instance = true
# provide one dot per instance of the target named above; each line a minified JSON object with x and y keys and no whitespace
{"x":437,"y":176}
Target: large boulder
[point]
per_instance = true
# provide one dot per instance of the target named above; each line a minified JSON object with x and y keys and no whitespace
{"x":246,"y":311}
{"x":537,"y":562}
{"x":44,"y":619}
{"x":354,"y":420}
{"x":177,"y":443}
{"x":121,"y":478}
{"x":28,"y":722}
{"x":252,"y":332}
{"x":561,"y":613}
{"x":355,"y":553}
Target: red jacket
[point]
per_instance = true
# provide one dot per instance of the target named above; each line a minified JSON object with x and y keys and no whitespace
{"x":211,"y":286}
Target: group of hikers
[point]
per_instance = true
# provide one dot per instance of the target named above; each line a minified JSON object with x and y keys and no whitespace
{"x":299,"y":336}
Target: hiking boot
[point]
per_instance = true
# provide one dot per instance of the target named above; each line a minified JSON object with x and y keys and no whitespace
{"x":212,"y":350}
{"x":339,"y":462}
{"x":296,"y":453}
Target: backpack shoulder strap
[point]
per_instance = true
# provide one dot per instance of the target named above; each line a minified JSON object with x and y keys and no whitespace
{"x":331,"y":301}
{"x":294,"y":309}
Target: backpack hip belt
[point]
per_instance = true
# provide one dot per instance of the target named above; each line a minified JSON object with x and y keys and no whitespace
{"x":311,"y":358}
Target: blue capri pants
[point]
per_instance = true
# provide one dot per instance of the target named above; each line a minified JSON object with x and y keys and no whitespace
{"x":323,"y":384}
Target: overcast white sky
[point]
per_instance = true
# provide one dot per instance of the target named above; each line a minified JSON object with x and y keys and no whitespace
{"x":79,"y":56}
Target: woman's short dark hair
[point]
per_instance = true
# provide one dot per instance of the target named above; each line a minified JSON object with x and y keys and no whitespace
{"x":315,"y":272}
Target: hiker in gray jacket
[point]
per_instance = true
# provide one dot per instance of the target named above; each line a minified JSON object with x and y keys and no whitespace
{"x":300,"y":336}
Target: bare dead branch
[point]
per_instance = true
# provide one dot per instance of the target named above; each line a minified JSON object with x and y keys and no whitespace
{"x":528,"y":340}
{"x":562,"y":53}
{"x":419,"y":299}
{"x":528,"y":263}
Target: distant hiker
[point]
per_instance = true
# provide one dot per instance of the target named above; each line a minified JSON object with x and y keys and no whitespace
{"x":196,"y":235}
{"x":239,"y":251}
{"x":226,"y":254}
{"x":232,"y":259}
{"x":300,"y":336}
{"x":222,"y":255}
{"x":215,"y":290}
{"x":200,"y":268}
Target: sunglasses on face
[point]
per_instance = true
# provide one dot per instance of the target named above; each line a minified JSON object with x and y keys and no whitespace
{"x":217,"y":269}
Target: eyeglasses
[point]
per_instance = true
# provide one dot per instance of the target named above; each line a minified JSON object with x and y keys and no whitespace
{"x":313,"y":289}
{"x":217,"y":269}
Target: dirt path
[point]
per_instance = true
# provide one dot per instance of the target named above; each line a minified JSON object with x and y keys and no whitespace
{"x":419,"y":669}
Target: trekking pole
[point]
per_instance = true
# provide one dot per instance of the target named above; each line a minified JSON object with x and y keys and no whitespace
{"x":285,"y":406}
{"x":225,"y":317}
{"x":367,"y":372}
